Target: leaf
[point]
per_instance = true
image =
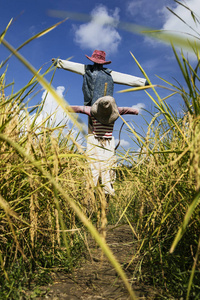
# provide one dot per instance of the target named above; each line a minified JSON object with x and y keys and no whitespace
{"x":193,"y":17}
{"x":176,"y":15}
{"x":137,"y":88}
{"x":38,"y":35}
{"x":186,"y":220}
{"x":4,"y":32}
{"x":193,"y":271}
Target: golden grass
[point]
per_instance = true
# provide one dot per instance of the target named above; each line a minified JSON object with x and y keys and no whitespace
{"x":47,"y":200}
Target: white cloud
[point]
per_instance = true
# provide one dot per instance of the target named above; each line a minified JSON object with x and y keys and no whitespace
{"x":51,"y":107}
{"x":189,"y":28}
{"x":100,"y":33}
{"x":139,"y":106}
{"x":154,"y":14}
{"x":134,"y":8}
{"x":51,"y":116}
{"x":174,"y":23}
{"x":51,"y":113}
{"x":146,"y":13}
{"x":123,"y":143}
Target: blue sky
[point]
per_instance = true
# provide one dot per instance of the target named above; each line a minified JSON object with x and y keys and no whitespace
{"x":82,"y":33}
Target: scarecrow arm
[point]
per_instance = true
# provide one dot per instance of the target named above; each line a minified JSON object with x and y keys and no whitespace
{"x":127,"y":111}
{"x":81,"y":109}
{"x":86,"y":110}
{"x":126,"y":79}
{"x":71,"y":66}
{"x":119,"y":78}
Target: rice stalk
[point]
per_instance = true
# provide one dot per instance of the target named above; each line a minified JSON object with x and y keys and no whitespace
{"x":82,"y":217}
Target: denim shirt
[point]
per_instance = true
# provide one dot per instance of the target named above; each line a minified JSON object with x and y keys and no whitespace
{"x":94,"y":81}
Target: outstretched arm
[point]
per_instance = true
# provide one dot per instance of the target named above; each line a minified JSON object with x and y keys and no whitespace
{"x":126,"y":79}
{"x":81,"y":109}
{"x":128,"y":111}
{"x":86,"y":110}
{"x":70,"y":66}
{"x":119,"y":78}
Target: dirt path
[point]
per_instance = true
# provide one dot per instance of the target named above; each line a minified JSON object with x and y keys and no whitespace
{"x":96,"y":278}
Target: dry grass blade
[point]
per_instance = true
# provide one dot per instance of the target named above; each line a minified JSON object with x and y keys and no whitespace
{"x":4,"y":32}
{"x":2,"y":266}
{"x":186,"y":220}
{"x":6,"y":207}
{"x":38,"y":35}
{"x":141,"y":88}
{"x":193,"y":271}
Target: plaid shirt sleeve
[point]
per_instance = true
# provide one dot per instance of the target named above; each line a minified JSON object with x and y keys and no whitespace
{"x":128,"y":111}
{"x":81,"y":109}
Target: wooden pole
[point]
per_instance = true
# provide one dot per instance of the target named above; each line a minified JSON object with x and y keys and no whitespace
{"x":105,"y":88}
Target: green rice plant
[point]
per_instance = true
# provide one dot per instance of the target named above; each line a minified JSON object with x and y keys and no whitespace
{"x":23,"y":189}
{"x":38,"y":212}
{"x":43,"y":192}
{"x":159,"y":189}
{"x":164,"y":210}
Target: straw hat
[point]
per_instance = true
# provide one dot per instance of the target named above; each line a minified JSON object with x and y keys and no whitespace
{"x":99,"y":57}
{"x":105,"y":110}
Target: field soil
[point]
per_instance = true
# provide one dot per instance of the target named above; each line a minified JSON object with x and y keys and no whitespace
{"x":95,"y":278}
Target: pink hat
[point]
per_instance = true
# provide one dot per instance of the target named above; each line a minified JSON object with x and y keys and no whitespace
{"x":99,"y":57}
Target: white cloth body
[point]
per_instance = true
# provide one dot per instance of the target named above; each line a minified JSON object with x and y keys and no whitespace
{"x":101,"y":158}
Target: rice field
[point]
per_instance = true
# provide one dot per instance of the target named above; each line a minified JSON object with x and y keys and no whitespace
{"x":48,"y":206}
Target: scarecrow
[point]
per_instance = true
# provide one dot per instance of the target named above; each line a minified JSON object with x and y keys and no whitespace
{"x":100,"y":144}
{"x":102,"y":111}
{"x":96,"y":77}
